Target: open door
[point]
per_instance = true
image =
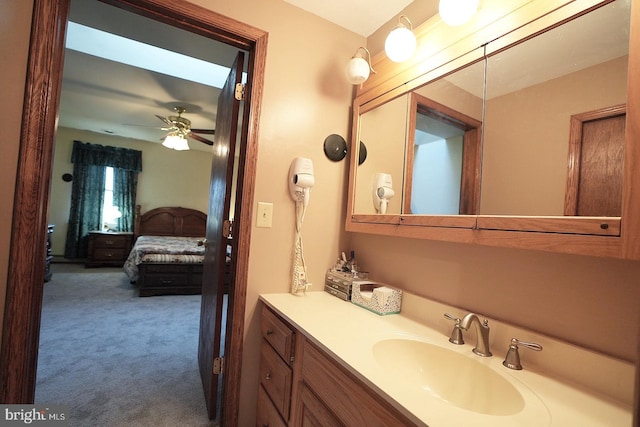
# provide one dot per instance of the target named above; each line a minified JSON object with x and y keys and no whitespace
{"x":212,"y":310}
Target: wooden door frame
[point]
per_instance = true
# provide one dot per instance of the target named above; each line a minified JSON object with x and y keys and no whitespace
{"x":470,"y":183}
{"x":575,"y":151}
{"x":21,"y":327}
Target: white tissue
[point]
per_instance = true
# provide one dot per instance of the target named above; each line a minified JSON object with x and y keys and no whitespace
{"x":366,"y":294}
{"x":383,"y":294}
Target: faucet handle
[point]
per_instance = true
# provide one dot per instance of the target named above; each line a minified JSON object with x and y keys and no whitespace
{"x":456,"y":333}
{"x":512,"y":360}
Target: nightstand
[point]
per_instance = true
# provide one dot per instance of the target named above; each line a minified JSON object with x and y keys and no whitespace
{"x":108,"y":248}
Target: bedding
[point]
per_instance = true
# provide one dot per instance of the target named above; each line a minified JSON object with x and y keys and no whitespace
{"x":163,"y":250}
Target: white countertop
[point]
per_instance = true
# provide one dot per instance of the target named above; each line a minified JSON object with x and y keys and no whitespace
{"x":348,"y":333}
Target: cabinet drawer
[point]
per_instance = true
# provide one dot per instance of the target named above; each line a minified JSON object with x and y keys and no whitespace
{"x":278,"y":334}
{"x":166,"y":280}
{"x":168,"y":268}
{"x":109,"y":254}
{"x":276,"y":378}
{"x":267,"y":414}
{"x":110,"y":242}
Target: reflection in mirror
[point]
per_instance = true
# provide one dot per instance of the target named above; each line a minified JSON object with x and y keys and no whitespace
{"x":567,"y":84}
{"x":383,"y":131}
{"x":443,"y":148}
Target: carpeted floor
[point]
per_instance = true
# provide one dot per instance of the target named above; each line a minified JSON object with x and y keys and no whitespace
{"x":116,"y":359}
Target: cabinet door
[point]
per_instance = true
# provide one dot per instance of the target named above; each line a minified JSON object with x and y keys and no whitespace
{"x":313,"y":413}
{"x":276,"y":378}
{"x":267,"y":415}
{"x":350,"y":401}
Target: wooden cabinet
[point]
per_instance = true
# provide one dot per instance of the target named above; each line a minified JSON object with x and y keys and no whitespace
{"x":108,"y":248}
{"x":276,"y":371}
{"x":304,"y":386}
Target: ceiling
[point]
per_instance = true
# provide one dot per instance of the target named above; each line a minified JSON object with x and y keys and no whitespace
{"x":360,"y":16}
{"x":109,"y":97}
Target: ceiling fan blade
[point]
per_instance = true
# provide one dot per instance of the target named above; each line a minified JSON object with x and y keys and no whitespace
{"x":204,"y":131}
{"x":199,"y":138}
{"x":164,"y":119}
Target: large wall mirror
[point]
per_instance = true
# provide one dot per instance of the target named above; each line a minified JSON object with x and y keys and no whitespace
{"x":554,"y":120}
{"x":519,"y":132}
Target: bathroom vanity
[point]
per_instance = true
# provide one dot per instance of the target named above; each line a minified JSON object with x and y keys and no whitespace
{"x":327,"y":362}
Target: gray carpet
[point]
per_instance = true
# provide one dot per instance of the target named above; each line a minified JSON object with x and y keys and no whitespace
{"x":116,"y":359}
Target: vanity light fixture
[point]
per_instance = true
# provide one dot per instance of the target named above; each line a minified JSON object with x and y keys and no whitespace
{"x":457,"y":12}
{"x":401,"y":42}
{"x":176,"y":141}
{"x":358,"y":68}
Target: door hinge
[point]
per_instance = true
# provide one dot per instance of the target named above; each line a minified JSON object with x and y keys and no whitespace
{"x":218,"y":365}
{"x":227,"y":229}
{"x":239,"y":93}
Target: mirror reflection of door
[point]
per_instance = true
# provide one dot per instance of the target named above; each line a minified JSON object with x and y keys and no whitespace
{"x":596,"y":151}
{"x":443,"y":160}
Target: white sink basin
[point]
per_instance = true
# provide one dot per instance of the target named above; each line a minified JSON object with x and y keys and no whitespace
{"x":449,"y":376}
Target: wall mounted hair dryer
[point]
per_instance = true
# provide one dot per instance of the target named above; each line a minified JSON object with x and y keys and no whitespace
{"x":301,"y":179}
{"x":382,"y":191}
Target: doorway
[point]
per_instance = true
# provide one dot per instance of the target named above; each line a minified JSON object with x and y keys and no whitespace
{"x":18,"y":356}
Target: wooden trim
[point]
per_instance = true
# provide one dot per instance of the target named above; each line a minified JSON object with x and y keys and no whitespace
{"x":470,"y":184}
{"x":631,"y":182}
{"x":18,"y":355}
{"x":597,"y":226}
{"x":21,"y":327}
{"x":575,"y":152}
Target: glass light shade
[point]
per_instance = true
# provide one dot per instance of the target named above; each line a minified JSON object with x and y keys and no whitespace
{"x":400,"y":44}
{"x":457,"y":12}
{"x":357,"y":70}
{"x":175,"y":142}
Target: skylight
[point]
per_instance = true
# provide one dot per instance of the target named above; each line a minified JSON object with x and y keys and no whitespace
{"x":133,"y":53}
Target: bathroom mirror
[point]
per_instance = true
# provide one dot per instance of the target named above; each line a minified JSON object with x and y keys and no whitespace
{"x":555,"y":120}
{"x":428,"y":140}
{"x":538,"y":133}
{"x":383,"y":130}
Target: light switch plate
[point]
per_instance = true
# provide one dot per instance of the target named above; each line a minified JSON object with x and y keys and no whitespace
{"x":264,"y":215}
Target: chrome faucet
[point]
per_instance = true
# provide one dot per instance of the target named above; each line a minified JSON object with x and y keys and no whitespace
{"x":482,"y":333}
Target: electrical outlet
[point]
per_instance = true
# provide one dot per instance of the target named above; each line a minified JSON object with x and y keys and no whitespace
{"x":264,"y":215}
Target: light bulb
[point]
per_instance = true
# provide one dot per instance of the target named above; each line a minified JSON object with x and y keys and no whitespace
{"x":400,"y":44}
{"x":457,"y":12}
{"x":357,"y":70}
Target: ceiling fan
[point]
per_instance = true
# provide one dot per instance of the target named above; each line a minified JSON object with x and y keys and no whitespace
{"x":181,"y":127}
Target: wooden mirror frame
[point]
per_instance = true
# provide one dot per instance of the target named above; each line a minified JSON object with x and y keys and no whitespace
{"x":595,"y":236}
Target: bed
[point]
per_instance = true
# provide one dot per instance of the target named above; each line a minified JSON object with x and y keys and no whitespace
{"x":167,"y":256}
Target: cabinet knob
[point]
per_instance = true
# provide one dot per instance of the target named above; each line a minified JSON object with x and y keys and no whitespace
{"x":269,"y":332}
{"x":268,"y":376}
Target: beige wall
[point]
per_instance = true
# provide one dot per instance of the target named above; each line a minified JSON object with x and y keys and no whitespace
{"x":306,"y":99}
{"x":168,"y":177}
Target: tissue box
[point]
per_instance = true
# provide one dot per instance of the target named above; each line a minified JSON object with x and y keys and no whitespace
{"x":377,"y":297}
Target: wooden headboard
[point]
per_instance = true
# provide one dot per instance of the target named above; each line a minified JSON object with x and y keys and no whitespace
{"x":170,"y":221}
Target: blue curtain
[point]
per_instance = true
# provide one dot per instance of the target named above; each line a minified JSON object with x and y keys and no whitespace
{"x":87,"y":193}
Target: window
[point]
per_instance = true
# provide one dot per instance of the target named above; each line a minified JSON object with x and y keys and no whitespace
{"x":110,"y":213}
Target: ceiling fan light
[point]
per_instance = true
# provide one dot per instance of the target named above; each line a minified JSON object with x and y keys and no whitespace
{"x":175,"y":142}
{"x":401,"y":43}
{"x":181,"y":144}
{"x":457,"y":12}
